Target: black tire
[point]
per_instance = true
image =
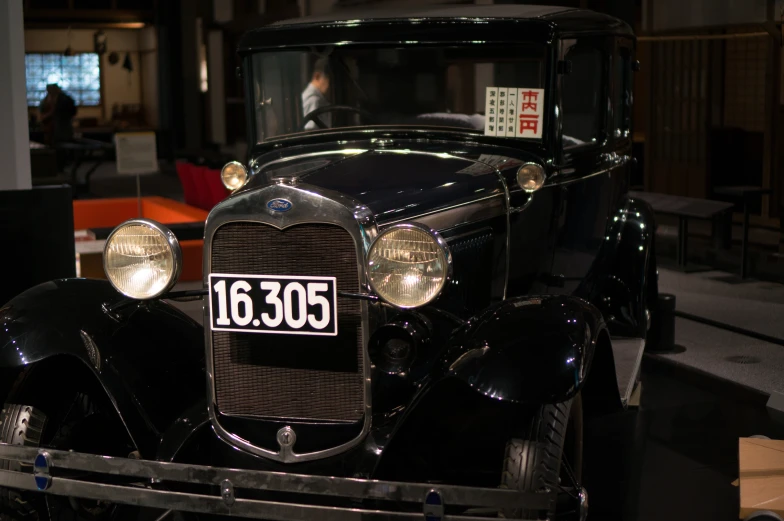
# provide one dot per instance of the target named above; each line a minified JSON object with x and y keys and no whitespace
{"x":67,"y":420}
{"x":533,"y":463}
{"x":19,"y":425}
{"x":764,"y":515}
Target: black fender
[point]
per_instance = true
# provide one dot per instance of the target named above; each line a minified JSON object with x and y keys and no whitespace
{"x":528,"y":349}
{"x":622,"y":281}
{"x":148,"y":357}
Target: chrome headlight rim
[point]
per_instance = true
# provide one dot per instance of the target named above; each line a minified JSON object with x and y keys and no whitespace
{"x":234,"y":164}
{"x":443,"y":249}
{"x":538,"y":167}
{"x":172,"y":242}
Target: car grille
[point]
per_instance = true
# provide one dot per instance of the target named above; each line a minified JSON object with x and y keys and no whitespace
{"x":290,"y":376}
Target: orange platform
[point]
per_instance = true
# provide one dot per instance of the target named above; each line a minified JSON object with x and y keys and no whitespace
{"x":108,"y":213}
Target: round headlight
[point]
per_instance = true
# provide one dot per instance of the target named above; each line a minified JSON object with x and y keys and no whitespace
{"x":408,"y":265}
{"x":530,"y":177}
{"x":234,"y":175}
{"x":142,"y":259}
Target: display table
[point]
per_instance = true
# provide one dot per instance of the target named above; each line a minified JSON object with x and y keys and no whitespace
{"x":94,"y":219}
{"x":685,"y":208}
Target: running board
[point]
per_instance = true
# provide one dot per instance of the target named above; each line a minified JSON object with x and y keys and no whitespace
{"x":627,"y":353}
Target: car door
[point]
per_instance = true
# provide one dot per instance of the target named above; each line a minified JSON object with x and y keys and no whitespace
{"x":591,"y":177}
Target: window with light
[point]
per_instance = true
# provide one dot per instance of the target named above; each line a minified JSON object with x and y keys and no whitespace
{"x":78,"y":75}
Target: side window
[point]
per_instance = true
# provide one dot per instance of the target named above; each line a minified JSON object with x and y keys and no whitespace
{"x":622,"y":88}
{"x":581,"y":93}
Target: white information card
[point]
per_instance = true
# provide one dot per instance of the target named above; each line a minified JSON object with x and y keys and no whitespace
{"x":514,"y":112}
{"x":136,"y":153}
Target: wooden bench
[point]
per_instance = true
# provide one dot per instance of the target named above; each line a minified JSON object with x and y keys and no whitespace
{"x":685,"y":208}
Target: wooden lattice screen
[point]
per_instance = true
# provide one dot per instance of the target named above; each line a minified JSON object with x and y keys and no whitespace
{"x":708,"y":120}
{"x":680,"y":113}
{"x":744,"y":83}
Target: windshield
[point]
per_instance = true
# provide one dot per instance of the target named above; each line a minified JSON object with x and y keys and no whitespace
{"x":446,"y":87}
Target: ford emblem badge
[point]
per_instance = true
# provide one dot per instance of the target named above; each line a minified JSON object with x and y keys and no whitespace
{"x":279,"y":205}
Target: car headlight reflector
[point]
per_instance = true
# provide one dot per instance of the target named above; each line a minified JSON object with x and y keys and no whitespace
{"x":142,"y":259}
{"x":409,"y":265}
{"x":530,"y":177}
{"x":234,"y":175}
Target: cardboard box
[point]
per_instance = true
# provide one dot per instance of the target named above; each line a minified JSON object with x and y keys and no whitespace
{"x":761,"y":464}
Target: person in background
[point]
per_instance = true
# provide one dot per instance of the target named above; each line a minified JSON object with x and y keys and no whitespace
{"x":314,"y":95}
{"x":57,"y":112}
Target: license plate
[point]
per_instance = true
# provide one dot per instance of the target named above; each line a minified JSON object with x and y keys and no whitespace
{"x":274,"y":304}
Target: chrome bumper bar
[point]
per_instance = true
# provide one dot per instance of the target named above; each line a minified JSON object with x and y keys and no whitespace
{"x":150,"y":489}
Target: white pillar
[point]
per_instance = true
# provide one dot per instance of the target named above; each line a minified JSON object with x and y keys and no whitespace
{"x":14,"y":132}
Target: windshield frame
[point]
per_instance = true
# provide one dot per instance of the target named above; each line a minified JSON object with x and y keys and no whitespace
{"x":549,"y":121}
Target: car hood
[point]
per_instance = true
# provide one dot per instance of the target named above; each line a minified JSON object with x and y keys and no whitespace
{"x":397,"y":184}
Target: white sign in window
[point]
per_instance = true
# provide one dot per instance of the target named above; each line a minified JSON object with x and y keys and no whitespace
{"x":514,"y":112}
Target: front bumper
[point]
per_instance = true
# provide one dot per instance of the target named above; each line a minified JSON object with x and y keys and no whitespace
{"x":391,"y":500}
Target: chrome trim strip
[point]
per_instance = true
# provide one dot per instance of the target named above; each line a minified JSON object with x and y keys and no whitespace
{"x":269,"y":481}
{"x":622,"y":160}
{"x":202,"y":503}
{"x":519,"y":209}
{"x":310,"y":205}
{"x":508,"y":230}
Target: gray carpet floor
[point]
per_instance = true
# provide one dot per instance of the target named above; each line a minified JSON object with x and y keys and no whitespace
{"x":752,"y":305}
{"x":737,"y":358}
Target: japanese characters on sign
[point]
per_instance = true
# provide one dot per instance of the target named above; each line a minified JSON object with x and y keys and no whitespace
{"x":491,"y":114}
{"x":513,"y":112}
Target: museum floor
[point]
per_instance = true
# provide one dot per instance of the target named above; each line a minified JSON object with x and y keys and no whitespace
{"x":678,"y":453}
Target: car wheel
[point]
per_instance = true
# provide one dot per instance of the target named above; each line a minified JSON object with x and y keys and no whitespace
{"x":547,"y":458}
{"x":70,"y":421}
{"x":764,"y":515}
{"x":19,"y":425}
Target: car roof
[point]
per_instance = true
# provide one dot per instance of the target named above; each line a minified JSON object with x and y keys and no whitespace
{"x":433,"y":23}
{"x":431,"y":11}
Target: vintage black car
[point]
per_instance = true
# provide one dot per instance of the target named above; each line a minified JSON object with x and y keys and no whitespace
{"x":428,"y":271}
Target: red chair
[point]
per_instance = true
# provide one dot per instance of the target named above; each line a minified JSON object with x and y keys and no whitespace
{"x":217,"y":192}
{"x":185,"y":173}
{"x":201,"y":186}
{"x":202,"y":191}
